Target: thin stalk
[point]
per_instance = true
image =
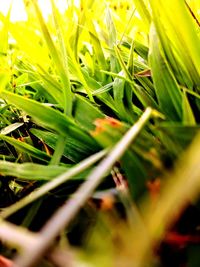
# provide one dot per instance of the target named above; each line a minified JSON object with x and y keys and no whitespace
{"x":63,"y":54}
{"x":31,"y":213}
{"x":55,"y":160}
{"x":39,"y":192}
{"x":64,"y":215}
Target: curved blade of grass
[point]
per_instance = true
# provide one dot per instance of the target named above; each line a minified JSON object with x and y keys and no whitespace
{"x":79,"y":73}
{"x":43,"y":114}
{"x":103,"y":89}
{"x":118,"y":93}
{"x":26,"y":148}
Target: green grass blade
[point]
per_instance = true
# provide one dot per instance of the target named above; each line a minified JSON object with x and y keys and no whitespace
{"x":35,"y":172}
{"x":64,"y":58}
{"x":74,"y":150}
{"x":85,"y":113}
{"x":44,"y":115}
{"x":41,"y":191}
{"x":48,"y":117}
{"x":99,"y":54}
{"x":30,"y":171}
{"x":188,"y":116}
{"x":59,"y":149}
{"x":26,"y":148}
{"x":112,"y":41}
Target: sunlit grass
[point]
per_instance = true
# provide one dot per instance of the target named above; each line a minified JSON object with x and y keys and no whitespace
{"x":76,"y":78}
{"x":18,"y":12}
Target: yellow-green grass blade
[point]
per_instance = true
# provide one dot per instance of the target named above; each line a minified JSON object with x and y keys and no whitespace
{"x":182,"y":30}
{"x":143,"y":96}
{"x":130,"y":64}
{"x":122,"y":63}
{"x":25,"y":36}
{"x":166,"y":87}
{"x":77,"y":71}
{"x":35,"y":61}
{"x":83,"y":16}
{"x":142,"y":8}
{"x":112,"y":41}
{"x":98,"y":50}
{"x":64,"y":58}
{"x":188,"y":116}
{"x":62,"y":71}
{"x":119,"y":96}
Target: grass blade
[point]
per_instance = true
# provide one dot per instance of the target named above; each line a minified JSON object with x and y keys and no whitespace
{"x":62,"y":71}
{"x":26,"y":148}
{"x":47,"y":116}
{"x":167,"y":90}
{"x":37,"y":193}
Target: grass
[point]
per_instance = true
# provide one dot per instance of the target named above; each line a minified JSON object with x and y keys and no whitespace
{"x":99,"y":137}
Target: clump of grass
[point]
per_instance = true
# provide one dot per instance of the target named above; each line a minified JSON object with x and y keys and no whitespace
{"x":98,"y":77}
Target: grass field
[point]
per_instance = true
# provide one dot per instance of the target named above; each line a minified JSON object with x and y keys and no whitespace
{"x":99,"y":134}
